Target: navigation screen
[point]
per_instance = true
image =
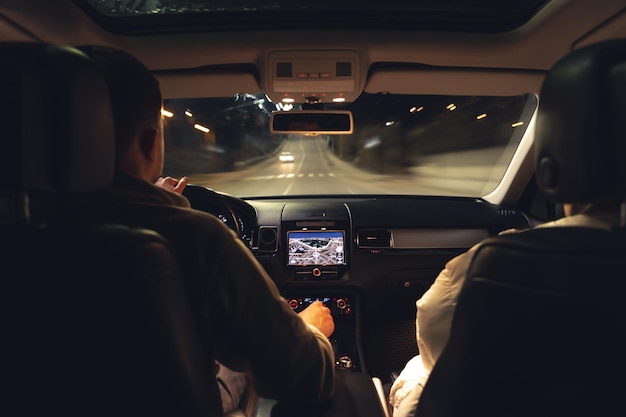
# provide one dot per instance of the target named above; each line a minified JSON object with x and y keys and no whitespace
{"x":316,"y":247}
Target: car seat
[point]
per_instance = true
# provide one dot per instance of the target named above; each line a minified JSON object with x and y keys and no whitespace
{"x":95,"y":318}
{"x":540,"y":325}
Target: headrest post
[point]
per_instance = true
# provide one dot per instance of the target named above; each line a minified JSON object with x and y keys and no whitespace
{"x":24,"y":205}
{"x":15,"y":209}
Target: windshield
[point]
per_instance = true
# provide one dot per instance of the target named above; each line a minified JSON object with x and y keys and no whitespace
{"x":401,"y":145}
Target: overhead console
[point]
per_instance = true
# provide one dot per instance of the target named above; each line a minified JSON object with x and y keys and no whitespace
{"x":325,"y":75}
{"x":317,"y":241}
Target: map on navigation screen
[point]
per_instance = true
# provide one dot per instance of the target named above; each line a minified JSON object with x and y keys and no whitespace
{"x":316,"y":247}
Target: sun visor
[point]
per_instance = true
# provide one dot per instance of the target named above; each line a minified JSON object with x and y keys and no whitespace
{"x":211,"y":84}
{"x":448,"y":81}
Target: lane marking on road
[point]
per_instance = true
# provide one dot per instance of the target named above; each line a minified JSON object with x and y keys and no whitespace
{"x":289,"y":176}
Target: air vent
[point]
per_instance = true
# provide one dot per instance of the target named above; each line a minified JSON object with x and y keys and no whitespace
{"x":268,"y":239}
{"x":374,"y":238}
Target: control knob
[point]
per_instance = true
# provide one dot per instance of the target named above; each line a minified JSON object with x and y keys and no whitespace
{"x":345,"y":362}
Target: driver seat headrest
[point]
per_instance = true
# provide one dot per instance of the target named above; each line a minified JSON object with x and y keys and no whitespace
{"x":58,"y":130}
{"x":580,"y":137}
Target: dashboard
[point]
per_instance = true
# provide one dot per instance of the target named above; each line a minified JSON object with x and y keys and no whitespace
{"x":366,"y":258}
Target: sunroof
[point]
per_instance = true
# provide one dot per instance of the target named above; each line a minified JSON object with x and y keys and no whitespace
{"x":158,"y":16}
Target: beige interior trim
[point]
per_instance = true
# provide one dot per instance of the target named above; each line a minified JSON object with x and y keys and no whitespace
{"x":453,"y":81}
{"x":207,"y":85}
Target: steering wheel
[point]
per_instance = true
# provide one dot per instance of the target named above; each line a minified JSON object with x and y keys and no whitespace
{"x":212,"y":202}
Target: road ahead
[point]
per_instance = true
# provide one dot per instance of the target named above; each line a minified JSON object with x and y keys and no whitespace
{"x":315,"y":170}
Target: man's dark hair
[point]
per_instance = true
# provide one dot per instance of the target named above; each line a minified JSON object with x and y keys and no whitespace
{"x":135,"y":92}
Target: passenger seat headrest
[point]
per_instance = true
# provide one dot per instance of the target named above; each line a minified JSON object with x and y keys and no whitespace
{"x":57,"y":124}
{"x":580,"y":137}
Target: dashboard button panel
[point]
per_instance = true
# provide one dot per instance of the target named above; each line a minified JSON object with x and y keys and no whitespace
{"x":339,"y":306}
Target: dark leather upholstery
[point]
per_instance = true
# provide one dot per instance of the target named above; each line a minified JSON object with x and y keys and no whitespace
{"x":95,"y":319}
{"x":539,"y":330}
{"x":56,"y":103}
{"x":540,"y":325}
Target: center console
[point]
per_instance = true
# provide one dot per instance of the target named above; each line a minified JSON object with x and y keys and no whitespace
{"x":309,"y":256}
{"x":316,"y":260}
{"x":343,"y":307}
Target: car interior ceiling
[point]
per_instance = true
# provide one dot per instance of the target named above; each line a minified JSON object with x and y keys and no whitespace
{"x":385,"y":246}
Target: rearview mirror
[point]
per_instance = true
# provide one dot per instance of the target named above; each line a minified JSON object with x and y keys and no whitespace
{"x":312,"y":122}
